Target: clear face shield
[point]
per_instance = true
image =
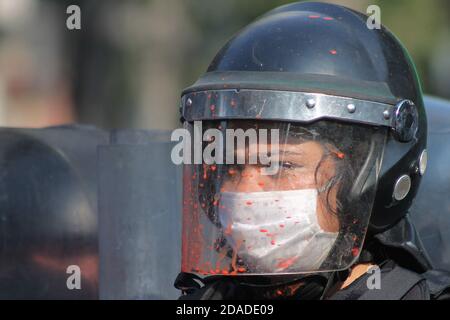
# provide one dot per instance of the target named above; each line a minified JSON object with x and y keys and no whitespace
{"x":277,"y":198}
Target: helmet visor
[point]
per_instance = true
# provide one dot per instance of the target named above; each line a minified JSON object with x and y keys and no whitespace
{"x":265,"y":197}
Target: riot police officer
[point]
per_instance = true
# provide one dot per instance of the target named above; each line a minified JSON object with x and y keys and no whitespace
{"x":345,"y":105}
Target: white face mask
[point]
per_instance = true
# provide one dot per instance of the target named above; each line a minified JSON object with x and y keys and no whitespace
{"x":275,"y":232}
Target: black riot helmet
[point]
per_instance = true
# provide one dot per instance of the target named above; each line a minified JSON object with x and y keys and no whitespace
{"x":324,"y":80}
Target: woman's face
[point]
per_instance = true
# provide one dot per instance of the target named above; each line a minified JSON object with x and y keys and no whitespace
{"x":302,"y":166}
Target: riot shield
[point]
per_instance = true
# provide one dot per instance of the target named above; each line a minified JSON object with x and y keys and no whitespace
{"x":139,"y":216}
{"x":48,"y":213}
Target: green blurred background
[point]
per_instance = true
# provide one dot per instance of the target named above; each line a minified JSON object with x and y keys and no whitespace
{"x":128,"y":64}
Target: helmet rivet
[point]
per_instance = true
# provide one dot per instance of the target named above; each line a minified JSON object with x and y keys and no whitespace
{"x":423,"y":160}
{"x":310,"y":103}
{"x":386,"y":114}
{"x":351,"y":108}
{"x":402,"y":187}
{"x":189,"y":102}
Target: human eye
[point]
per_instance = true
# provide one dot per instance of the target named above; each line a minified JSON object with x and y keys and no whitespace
{"x":290,"y":165}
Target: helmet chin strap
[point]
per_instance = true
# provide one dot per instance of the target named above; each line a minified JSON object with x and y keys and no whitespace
{"x":299,"y":287}
{"x":335,"y":277}
{"x":274,"y":280}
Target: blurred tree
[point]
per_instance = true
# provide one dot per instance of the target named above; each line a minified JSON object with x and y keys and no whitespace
{"x":100,"y":70}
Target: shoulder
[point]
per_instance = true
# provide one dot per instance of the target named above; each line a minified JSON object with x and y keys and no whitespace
{"x":438,"y":282}
{"x":388,"y":282}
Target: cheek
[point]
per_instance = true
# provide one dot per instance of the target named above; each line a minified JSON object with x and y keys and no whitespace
{"x":325,"y":173}
{"x":295,"y":180}
{"x":226,"y":186}
{"x":327,"y":219}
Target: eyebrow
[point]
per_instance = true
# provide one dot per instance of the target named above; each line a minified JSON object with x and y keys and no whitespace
{"x":281,"y":151}
{"x":289,"y":152}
